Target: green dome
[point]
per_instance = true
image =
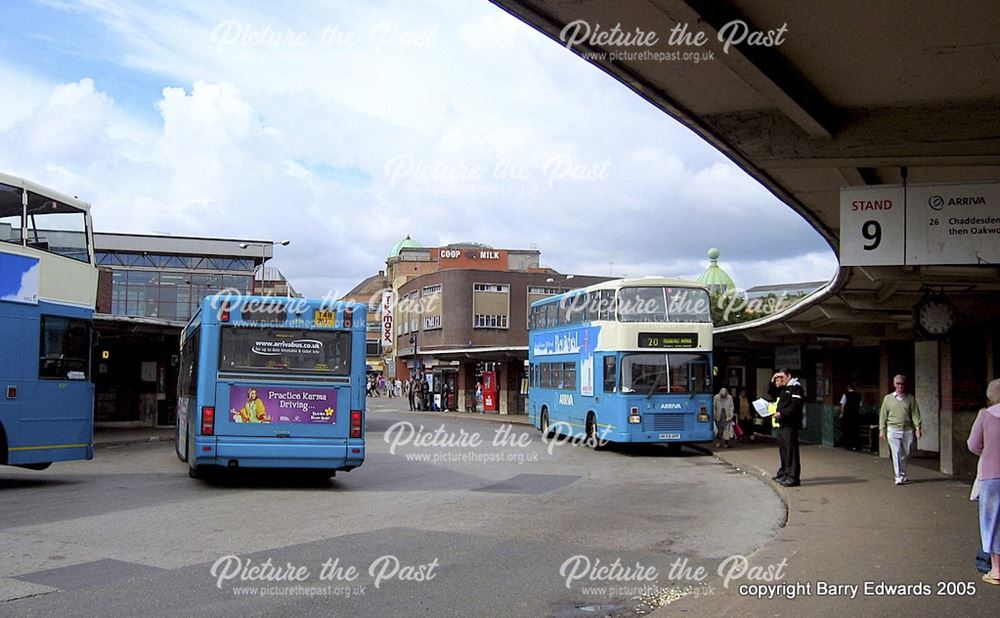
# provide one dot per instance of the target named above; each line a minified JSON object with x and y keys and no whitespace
{"x":716,"y":279}
{"x":406,"y":243}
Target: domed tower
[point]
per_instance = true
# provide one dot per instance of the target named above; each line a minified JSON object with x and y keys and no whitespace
{"x":406,"y":243}
{"x":717,"y":280}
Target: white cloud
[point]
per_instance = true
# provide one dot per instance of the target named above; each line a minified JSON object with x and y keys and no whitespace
{"x":259,"y":137}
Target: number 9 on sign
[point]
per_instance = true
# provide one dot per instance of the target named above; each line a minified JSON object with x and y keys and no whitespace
{"x":872,"y":232}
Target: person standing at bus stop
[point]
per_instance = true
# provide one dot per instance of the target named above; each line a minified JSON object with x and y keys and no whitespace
{"x":723,"y":404}
{"x":850,"y":410}
{"x":984,"y":440}
{"x":899,"y":422}
{"x":791,"y":400}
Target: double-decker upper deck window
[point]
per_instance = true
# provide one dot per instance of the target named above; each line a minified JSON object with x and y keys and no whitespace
{"x":646,"y":304}
{"x":688,"y":305}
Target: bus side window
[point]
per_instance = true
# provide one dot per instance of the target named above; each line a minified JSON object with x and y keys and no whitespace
{"x":608,"y":305}
{"x":610,"y":373}
{"x":593,"y":306}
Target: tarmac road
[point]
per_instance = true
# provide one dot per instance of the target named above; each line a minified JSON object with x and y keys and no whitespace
{"x":477,"y":518}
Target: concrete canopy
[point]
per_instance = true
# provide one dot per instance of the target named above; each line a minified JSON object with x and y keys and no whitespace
{"x":857,"y":93}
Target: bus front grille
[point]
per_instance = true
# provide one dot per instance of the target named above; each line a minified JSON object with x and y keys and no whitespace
{"x":662,"y":422}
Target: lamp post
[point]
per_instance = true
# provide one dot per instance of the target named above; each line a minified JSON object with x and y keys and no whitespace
{"x":416,"y":363}
{"x":263,"y":256}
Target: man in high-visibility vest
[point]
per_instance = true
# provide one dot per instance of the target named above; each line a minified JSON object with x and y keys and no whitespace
{"x":790,"y":397}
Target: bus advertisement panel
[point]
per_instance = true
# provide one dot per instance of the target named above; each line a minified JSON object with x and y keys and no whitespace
{"x":272,"y":382}
{"x":623,"y":361}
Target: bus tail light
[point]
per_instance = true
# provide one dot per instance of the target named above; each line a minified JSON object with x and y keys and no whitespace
{"x":355,"y":423}
{"x":348,"y":317}
{"x":703,"y":415}
{"x":633,"y":416}
{"x":208,"y":421}
{"x":224,"y":313}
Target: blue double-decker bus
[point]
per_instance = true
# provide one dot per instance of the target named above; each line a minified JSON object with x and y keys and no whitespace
{"x":272,"y":382}
{"x":48,"y":290}
{"x":628,"y":360}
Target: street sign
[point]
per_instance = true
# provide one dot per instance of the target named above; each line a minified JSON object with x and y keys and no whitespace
{"x":872,"y":226}
{"x":887,"y":225}
{"x":953,"y":224}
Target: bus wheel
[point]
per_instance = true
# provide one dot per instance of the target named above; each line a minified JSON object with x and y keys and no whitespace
{"x":546,"y":430}
{"x":593,"y":441}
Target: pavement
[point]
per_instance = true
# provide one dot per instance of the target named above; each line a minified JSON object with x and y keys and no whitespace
{"x":852,"y":539}
{"x":849,"y":525}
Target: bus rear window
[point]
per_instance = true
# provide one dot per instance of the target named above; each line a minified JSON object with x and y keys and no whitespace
{"x":285,"y":350}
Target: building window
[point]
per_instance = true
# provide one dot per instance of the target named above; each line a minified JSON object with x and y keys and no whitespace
{"x":490,"y":305}
{"x":432,"y":321}
{"x":432,"y":289}
{"x":544,"y":291}
{"x":490,"y":287}
{"x":482,"y":320}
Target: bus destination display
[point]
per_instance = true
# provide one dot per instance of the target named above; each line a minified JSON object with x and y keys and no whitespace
{"x":668,"y":340}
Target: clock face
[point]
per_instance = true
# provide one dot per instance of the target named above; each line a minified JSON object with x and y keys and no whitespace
{"x":936,"y":317}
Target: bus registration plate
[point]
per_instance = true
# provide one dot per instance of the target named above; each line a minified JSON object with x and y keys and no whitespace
{"x":670,"y":436}
{"x":325,"y":318}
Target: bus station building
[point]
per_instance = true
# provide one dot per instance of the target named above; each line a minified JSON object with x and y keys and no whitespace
{"x":879,"y":125}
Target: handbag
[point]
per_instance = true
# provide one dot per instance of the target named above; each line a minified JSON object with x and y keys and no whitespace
{"x":737,"y":429}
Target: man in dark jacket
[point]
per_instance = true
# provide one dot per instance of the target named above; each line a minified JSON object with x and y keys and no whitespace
{"x":791,"y":399}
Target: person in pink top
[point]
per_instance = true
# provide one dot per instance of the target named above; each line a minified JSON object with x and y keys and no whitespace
{"x":984,"y":440}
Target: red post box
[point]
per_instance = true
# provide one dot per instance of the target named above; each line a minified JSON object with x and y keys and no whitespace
{"x":490,"y":403}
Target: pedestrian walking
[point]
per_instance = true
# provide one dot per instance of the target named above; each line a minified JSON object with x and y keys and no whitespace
{"x":723,"y":408}
{"x":899,"y":423}
{"x":411,"y":393}
{"x":850,"y":410}
{"x":984,"y":440}
{"x":745,"y":415}
{"x":790,"y":397}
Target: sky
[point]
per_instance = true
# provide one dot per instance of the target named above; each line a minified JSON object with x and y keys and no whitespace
{"x":346,"y":126}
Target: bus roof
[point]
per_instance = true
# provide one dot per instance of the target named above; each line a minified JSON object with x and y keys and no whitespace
{"x":33,"y":187}
{"x":208,"y":308}
{"x":617,"y":284}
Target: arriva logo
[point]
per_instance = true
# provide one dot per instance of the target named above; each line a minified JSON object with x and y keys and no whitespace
{"x":565,"y":400}
{"x":937,"y":202}
{"x":670,"y":406}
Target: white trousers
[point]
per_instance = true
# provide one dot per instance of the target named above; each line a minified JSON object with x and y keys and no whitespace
{"x":902,"y":442}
